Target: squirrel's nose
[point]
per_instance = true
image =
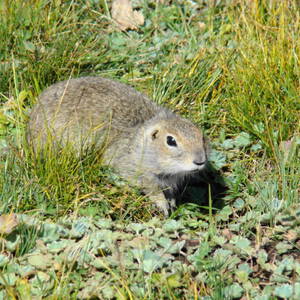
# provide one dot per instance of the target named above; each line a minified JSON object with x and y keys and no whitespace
{"x":200,"y":158}
{"x":199,"y":162}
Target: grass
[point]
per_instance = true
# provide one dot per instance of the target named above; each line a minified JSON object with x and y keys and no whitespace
{"x":231,"y":68}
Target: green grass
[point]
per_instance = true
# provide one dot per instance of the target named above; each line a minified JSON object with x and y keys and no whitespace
{"x":231,"y":68}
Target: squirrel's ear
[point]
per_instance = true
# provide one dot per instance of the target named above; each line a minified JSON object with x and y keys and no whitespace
{"x":154,"y":134}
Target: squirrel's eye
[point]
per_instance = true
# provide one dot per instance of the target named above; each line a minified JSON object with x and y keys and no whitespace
{"x":171,"y":141}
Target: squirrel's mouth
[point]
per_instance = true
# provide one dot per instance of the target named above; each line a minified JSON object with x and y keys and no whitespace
{"x":182,"y":170}
{"x":194,"y":166}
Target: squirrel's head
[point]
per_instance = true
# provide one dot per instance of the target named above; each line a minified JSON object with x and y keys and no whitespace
{"x":174,"y":145}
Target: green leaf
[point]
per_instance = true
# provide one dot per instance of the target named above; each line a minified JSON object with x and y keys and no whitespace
{"x":3,"y":260}
{"x":79,"y":228}
{"x":234,"y":291}
{"x":283,"y":247}
{"x":37,"y":287}
{"x":3,"y":295}
{"x":284,"y":291}
{"x":174,"y":280}
{"x":243,"y":244}
{"x":12,"y":245}
{"x":108,"y":292}
{"x":104,"y":223}
{"x":222,"y":254}
{"x":58,"y":246}
{"x":262,"y":257}
{"x":224,"y":213}
{"x":29,"y":46}
{"x":165,"y":242}
{"x":239,"y":203}
{"x":149,"y":260}
{"x":169,"y":246}
{"x":40,"y":261}
{"x":242,"y":276}
{"x":50,"y":232}
{"x":297,"y":290}
{"x":262,"y":297}
{"x":243,"y":272}
{"x":23,"y":288}
{"x":228,"y":144}
{"x":198,"y":257}
{"x":242,"y":140}
{"x":256,"y":147}
{"x":42,"y":276}
{"x":246,"y":268}
{"x":172,"y":226}
{"x":220,"y":240}
{"x":217,"y":158}
{"x":137,"y":227}
{"x":8,"y":279}
{"x":100,"y":263}
{"x":24,"y":271}
{"x":152,"y":261}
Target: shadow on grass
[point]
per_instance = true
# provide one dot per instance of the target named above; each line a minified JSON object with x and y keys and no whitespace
{"x":205,"y":185}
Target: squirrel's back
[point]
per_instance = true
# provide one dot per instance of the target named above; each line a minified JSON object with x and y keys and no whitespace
{"x":88,"y":102}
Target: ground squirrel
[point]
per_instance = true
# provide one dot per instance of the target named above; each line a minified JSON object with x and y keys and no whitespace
{"x":147,"y":144}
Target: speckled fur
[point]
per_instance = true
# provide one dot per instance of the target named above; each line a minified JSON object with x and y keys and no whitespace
{"x":93,"y":111}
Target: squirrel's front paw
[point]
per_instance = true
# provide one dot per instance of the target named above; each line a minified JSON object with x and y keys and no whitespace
{"x":164,"y":205}
{"x":161,"y":203}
